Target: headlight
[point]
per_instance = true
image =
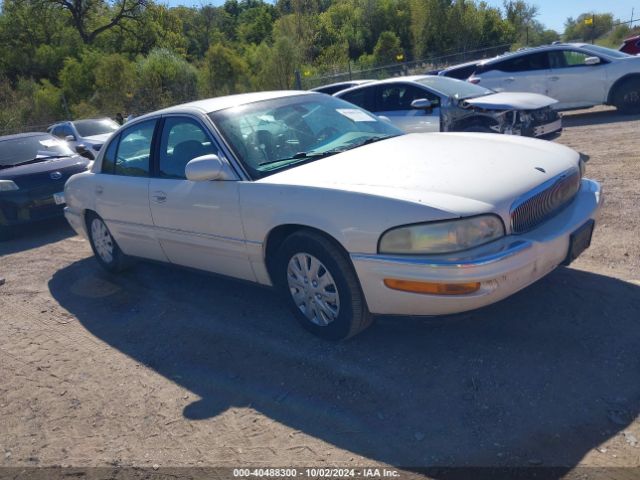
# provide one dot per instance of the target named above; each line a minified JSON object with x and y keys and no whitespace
{"x":442,"y":237}
{"x":7,"y":185}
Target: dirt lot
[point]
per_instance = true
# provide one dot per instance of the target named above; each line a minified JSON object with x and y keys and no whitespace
{"x":168,"y":367}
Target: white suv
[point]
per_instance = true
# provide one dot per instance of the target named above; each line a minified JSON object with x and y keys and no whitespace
{"x":578,"y":75}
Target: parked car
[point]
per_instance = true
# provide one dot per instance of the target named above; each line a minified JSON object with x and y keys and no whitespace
{"x":340,"y":211}
{"x":461,"y":71}
{"x":578,"y":75}
{"x":85,"y":136}
{"x":336,"y":87}
{"x":427,"y":103}
{"x":631,"y":45}
{"x":33,"y":170}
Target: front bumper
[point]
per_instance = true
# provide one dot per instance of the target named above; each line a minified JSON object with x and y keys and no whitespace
{"x":502,"y":267}
{"x":548,"y":129}
{"x":22,"y":207}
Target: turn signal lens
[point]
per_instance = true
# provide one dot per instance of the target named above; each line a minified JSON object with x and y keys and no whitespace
{"x":432,"y":288}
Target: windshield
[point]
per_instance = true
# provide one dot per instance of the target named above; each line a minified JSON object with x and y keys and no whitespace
{"x":14,"y":151}
{"x":452,"y":87}
{"x":89,"y":128}
{"x":597,"y":49}
{"x":271,"y":135}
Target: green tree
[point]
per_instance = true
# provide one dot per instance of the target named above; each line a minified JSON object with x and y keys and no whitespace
{"x":163,"y":79}
{"x":223,"y":72}
{"x":387,"y":49}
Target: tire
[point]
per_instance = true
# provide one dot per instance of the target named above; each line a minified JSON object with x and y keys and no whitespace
{"x":626,"y":97}
{"x":104,"y":246}
{"x":315,"y":276}
{"x":478,"y":127}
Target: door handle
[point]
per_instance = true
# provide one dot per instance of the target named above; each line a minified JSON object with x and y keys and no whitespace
{"x":159,"y":197}
{"x":99,"y":189}
{"x":554,"y":78}
{"x":510,"y":79}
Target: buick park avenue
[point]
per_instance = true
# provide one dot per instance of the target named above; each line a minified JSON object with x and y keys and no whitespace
{"x":341,"y":212}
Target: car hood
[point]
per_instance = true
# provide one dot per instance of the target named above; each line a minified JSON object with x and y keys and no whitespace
{"x":462,"y":173}
{"x":97,"y":138}
{"x":34,"y":174}
{"x":511,"y":101}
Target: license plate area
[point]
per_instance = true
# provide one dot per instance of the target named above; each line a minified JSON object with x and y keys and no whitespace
{"x":579,"y":241}
{"x":59,"y":198}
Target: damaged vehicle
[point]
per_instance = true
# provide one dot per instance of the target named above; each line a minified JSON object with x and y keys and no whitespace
{"x":428,"y":103}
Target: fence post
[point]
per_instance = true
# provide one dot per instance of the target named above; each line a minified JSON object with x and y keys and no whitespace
{"x":349,"y":64}
{"x":298,"y":81}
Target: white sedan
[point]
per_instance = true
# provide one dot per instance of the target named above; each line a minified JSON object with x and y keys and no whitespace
{"x":340,"y":211}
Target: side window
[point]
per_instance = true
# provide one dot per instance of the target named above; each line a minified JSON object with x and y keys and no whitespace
{"x":57,"y":132}
{"x":109,"y":159}
{"x":361,"y":98}
{"x":183,"y":139}
{"x":523,"y":63}
{"x":399,"y":97}
{"x":66,"y":130}
{"x":134,"y":150}
{"x":567,"y":58}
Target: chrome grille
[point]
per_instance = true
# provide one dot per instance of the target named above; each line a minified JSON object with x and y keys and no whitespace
{"x":544,"y":202}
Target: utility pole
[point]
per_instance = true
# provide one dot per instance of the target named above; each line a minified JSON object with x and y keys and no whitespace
{"x":593,"y":27}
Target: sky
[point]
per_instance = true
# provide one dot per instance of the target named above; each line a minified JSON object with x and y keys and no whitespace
{"x":552,"y":13}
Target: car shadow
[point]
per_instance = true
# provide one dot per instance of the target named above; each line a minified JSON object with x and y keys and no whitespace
{"x":34,"y":235}
{"x":543,"y":376}
{"x":595,"y":117}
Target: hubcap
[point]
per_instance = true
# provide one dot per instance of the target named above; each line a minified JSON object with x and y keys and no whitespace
{"x":102,"y":240}
{"x":313,"y":289}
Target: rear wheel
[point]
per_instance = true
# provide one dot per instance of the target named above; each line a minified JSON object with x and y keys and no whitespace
{"x":321,"y":287}
{"x":104,"y":246}
{"x":626,"y":97}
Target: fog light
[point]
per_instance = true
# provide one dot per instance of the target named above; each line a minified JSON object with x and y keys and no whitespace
{"x":432,"y":288}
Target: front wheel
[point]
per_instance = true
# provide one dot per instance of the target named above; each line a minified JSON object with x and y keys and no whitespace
{"x":321,"y":287}
{"x":627,"y":97}
{"x":104,"y":246}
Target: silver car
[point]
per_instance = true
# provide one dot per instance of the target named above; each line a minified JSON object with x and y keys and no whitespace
{"x":85,"y":136}
{"x":428,"y":103}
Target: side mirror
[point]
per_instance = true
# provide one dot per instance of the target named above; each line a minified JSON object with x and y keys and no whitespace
{"x":70,"y":138}
{"x":206,"y":167}
{"x":592,"y":60}
{"x":423,"y":104}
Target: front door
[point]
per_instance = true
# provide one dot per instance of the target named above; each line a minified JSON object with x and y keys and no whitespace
{"x":122,"y":191}
{"x":394,"y":102}
{"x":573,"y":83}
{"x":198,"y":223}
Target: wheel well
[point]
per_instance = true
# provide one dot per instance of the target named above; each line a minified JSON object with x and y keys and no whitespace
{"x":619,"y":82}
{"x":279,"y":234}
{"x":475,"y":120}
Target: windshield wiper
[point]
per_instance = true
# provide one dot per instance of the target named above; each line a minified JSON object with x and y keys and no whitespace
{"x":33,"y":160}
{"x":304,"y":156}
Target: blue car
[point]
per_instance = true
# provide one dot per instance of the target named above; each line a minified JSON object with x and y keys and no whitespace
{"x":33,"y":170}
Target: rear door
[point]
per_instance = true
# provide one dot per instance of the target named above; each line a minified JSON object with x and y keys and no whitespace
{"x":523,"y":73}
{"x":198,"y":224}
{"x":393,"y":100}
{"x":122,"y":191}
{"x":575,"y":84}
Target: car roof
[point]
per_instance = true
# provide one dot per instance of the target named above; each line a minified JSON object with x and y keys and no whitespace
{"x":22,"y":135}
{"x":527,"y":50}
{"x":345,"y":82}
{"x":407,"y":78}
{"x":461,"y":65}
{"x":210,"y":105}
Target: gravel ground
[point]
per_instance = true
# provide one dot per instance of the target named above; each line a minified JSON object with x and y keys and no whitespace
{"x":169,"y":367}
